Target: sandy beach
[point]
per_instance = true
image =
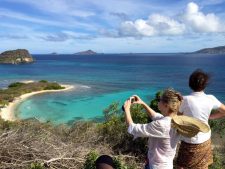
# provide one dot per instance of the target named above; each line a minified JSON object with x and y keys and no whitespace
{"x":7,"y":113}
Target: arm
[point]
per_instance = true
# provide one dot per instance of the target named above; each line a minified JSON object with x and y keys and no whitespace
{"x":153,"y":129}
{"x":150,"y":111}
{"x":128,"y":117}
{"x":220,"y":113}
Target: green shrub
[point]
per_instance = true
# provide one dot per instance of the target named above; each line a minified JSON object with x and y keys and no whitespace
{"x":90,"y":160}
{"x":218,"y":126}
{"x":218,"y":161}
{"x":53,"y":86}
{"x":36,"y":166}
{"x":6,"y":125}
{"x":114,"y":129}
{"x":43,"y":81}
{"x":16,"y":84}
{"x":154,"y":102}
{"x":111,"y":111}
{"x":3,"y":103}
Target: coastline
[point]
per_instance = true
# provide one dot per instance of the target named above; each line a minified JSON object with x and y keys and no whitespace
{"x":8,"y":112}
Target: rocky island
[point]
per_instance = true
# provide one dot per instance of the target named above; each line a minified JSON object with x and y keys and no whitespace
{"x":87,"y":52}
{"x":215,"y":50}
{"x":19,"y":56}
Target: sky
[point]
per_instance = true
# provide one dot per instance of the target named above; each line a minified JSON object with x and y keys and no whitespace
{"x":111,"y":26}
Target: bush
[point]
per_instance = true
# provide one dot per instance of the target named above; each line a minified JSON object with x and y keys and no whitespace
{"x":6,"y":125}
{"x":114,"y":129}
{"x":90,"y":160}
{"x":16,"y":84}
{"x":111,"y":111}
{"x":43,"y":81}
{"x":218,"y":161}
{"x":3,"y":103}
{"x":218,"y":126}
{"x":36,"y":166}
{"x":53,"y":86}
{"x":154,"y":102}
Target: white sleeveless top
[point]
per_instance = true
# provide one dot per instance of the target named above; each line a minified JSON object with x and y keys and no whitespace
{"x":199,"y":105}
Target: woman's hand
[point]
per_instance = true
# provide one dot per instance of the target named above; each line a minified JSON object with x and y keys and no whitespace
{"x":127,"y":105}
{"x":137,"y":99}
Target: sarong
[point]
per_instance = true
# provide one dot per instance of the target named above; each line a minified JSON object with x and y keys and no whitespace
{"x":195,"y":156}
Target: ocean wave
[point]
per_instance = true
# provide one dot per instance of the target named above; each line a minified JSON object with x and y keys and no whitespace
{"x":85,"y":86}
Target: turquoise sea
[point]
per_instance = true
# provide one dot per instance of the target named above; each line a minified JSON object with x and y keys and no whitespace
{"x":103,"y":79}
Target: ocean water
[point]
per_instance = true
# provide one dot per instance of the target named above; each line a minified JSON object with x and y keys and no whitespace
{"x":100,"y":80}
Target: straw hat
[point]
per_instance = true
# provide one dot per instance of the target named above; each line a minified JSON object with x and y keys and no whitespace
{"x":189,"y":126}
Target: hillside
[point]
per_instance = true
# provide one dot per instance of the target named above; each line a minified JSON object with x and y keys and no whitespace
{"x":29,"y":144}
{"x":215,"y":50}
{"x":19,"y":56}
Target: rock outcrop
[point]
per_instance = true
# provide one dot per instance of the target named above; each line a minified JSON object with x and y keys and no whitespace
{"x":19,"y":56}
{"x":87,"y":52}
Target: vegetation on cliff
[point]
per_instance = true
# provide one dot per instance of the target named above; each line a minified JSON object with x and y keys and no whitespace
{"x":17,"y":89}
{"x":19,"y":56}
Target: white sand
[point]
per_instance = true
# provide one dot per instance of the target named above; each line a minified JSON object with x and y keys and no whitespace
{"x":7,"y":113}
{"x":27,"y":81}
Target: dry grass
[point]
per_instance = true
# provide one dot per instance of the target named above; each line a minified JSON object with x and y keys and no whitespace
{"x":53,"y":147}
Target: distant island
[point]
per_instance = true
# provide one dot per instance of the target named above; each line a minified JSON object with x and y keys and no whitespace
{"x":214,"y":50}
{"x":19,"y":56}
{"x":87,"y":52}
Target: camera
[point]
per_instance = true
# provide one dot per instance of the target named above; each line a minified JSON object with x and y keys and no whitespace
{"x":133,"y":99}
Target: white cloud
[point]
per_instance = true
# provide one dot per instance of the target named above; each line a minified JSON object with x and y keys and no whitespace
{"x":200,"y":22}
{"x":45,"y":21}
{"x":155,"y":25}
{"x":18,"y":28}
{"x":144,"y":28}
{"x":192,"y":21}
{"x":65,"y":7}
{"x":165,"y":25}
{"x":64,"y":36}
{"x":137,"y":28}
{"x":24,"y":17}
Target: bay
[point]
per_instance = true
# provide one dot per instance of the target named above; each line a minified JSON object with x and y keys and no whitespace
{"x":103,"y":79}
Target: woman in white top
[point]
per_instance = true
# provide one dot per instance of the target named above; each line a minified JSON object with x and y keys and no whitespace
{"x":163,"y":138}
{"x":195,"y":152}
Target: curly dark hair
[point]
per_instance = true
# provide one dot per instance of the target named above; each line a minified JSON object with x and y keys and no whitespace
{"x":198,"y":80}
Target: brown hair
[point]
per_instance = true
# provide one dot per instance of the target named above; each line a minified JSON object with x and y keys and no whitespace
{"x":172,"y":98}
{"x":198,"y":80}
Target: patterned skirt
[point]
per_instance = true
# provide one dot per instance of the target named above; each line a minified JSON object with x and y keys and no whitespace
{"x":195,"y":156}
